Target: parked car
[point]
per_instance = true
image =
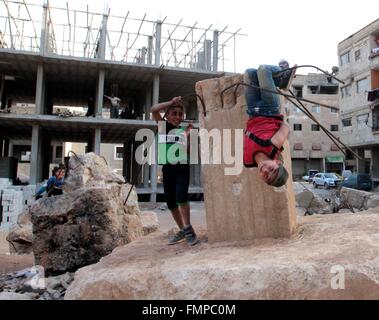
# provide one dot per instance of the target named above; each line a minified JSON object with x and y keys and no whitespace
{"x":326,"y":180}
{"x":340,"y":177}
{"x":346,"y":174}
{"x":311,"y":174}
{"x":360,"y":181}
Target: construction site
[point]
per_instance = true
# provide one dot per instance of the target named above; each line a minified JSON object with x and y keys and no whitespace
{"x":77,"y":85}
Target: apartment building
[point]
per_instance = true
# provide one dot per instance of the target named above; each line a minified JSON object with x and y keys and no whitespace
{"x":310,"y":147}
{"x":359,"y":98}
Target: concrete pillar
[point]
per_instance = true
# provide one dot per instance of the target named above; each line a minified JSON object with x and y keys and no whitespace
{"x":208,"y":54}
{"x":150,"y":50}
{"x":361,"y":162}
{"x":158,"y":32}
{"x":40,"y":90}
{"x":103,"y":38}
{"x":10,"y":149}
{"x":100,"y":93}
{"x":4,"y":147}
{"x":154,"y":167}
{"x":239,"y":205}
{"x":96,"y":138}
{"x":147,"y":103}
{"x":375,"y":163}
{"x":36,"y":156}
{"x":44,"y":31}
{"x":215,"y":51}
{"x":126,"y":161}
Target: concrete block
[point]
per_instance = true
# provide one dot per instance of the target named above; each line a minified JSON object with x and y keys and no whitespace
{"x":240,"y":207}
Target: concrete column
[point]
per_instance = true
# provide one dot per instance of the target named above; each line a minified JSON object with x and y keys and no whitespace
{"x":361,"y":163}
{"x":40,"y":90}
{"x":150,"y":50}
{"x":10,"y":149}
{"x":154,"y":167}
{"x":36,"y":156}
{"x":103,"y":38}
{"x":44,"y":31}
{"x":4,"y":147}
{"x":147,"y":103}
{"x":158,"y":32}
{"x":96,"y":141}
{"x":126,"y":163}
{"x":100,"y":93}
{"x":215,"y":51}
{"x":208,"y":54}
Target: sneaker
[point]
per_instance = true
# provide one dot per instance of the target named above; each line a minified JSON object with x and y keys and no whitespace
{"x":177,"y":238}
{"x":285,"y":78}
{"x":190,"y":235}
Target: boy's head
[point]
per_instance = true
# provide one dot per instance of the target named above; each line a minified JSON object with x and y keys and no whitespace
{"x":283,"y":64}
{"x":175,"y":114}
{"x":273,"y":172}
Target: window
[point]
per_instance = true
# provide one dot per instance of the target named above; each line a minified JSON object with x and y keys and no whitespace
{"x":346,"y":122}
{"x":118,"y":152}
{"x":334,"y":127}
{"x":297,"y":127}
{"x":313,"y":89}
{"x":362,"y":120}
{"x":298,"y":91}
{"x":333,"y":110}
{"x":344,"y":58}
{"x":296,"y":109}
{"x":316,"y":146}
{"x":315,"y":127}
{"x":298,"y":146}
{"x":346,"y":91}
{"x":329,"y":89}
{"x":316,"y":109}
{"x":362,"y":85}
{"x":357,"y":55}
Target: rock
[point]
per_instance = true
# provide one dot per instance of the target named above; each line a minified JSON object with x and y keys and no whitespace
{"x":361,"y":200}
{"x":88,"y":221}
{"x":312,"y":202}
{"x":20,"y":235}
{"x":15,"y":296}
{"x":326,"y":253}
{"x":149,"y":221}
{"x":89,"y":170}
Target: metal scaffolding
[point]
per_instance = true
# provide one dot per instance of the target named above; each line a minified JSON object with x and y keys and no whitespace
{"x":123,"y":38}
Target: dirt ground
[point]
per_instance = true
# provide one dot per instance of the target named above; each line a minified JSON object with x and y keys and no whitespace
{"x":13,"y":262}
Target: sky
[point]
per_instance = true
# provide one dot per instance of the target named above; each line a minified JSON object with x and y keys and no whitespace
{"x":301,"y":31}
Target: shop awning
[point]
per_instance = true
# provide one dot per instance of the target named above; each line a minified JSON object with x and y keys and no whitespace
{"x":334,"y":159}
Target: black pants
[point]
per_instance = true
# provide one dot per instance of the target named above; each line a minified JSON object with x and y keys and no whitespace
{"x":175,"y":184}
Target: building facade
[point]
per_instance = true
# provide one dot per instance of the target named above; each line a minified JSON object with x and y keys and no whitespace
{"x":359,"y":98}
{"x":310,"y":147}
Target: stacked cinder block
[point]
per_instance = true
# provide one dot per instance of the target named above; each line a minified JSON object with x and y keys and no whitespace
{"x":12,"y":207}
{"x":15,"y":199}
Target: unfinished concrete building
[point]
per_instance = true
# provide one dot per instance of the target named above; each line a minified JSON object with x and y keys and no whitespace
{"x":359,"y":98}
{"x":310,"y":147}
{"x":52,"y":58}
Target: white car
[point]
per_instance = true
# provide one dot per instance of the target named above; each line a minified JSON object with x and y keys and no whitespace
{"x":326,"y":180}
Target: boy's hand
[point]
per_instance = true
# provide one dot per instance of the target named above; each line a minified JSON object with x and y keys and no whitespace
{"x":176,"y":100}
{"x":188,"y":129}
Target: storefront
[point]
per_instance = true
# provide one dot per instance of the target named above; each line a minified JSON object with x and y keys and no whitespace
{"x":334,"y":164}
